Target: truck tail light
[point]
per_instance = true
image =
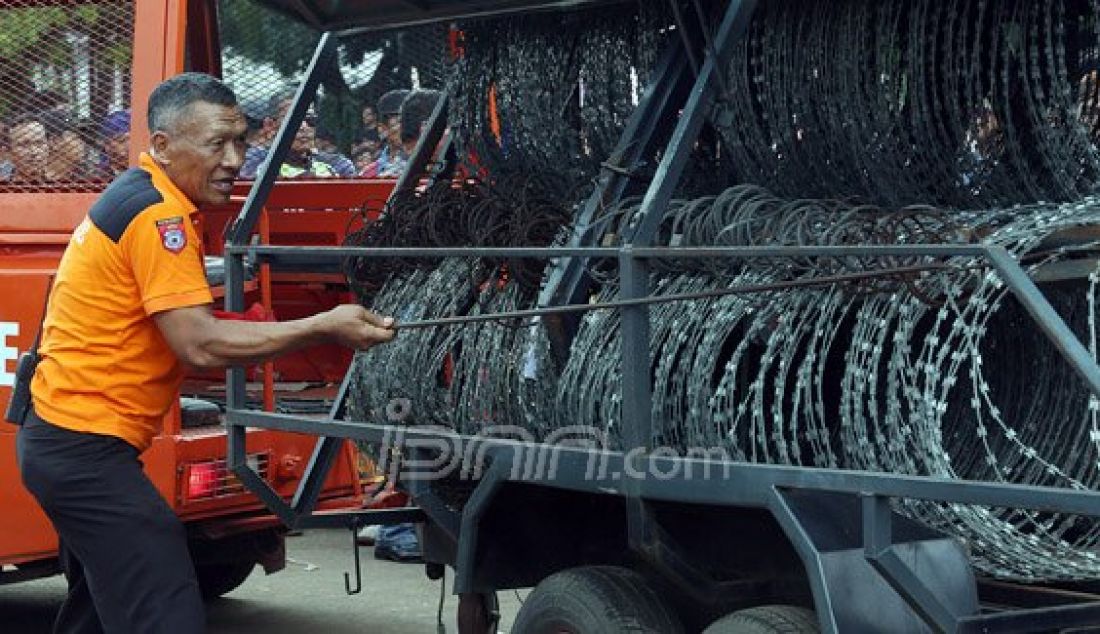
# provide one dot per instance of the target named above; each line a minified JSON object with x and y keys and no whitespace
{"x":212,"y":479}
{"x":202,"y":480}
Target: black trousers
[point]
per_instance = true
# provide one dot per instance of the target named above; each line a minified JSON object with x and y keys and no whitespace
{"x":123,"y":550}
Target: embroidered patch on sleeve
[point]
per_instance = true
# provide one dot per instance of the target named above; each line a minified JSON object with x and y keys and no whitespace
{"x":172,"y":235}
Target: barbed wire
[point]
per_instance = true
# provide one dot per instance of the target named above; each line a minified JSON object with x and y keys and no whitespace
{"x":884,"y":377}
{"x":863,"y":123}
{"x":563,"y":86}
{"x":964,"y":103}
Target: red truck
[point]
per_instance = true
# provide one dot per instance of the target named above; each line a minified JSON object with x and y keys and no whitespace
{"x":94,"y":59}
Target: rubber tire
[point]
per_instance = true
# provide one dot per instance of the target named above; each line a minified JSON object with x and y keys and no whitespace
{"x":767,"y":619}
{"x":217,"y":579}
{"x":596,"y":600}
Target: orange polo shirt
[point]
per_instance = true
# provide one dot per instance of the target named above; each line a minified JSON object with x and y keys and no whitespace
{"x":105,"y":367}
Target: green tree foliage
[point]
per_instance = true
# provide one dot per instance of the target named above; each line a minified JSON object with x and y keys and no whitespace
{"x":261,"y":35}
{"x":37,"y":43}
{"x":265,"y":36}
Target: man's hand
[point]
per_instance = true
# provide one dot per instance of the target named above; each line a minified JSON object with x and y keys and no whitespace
{"x":356,"y":327}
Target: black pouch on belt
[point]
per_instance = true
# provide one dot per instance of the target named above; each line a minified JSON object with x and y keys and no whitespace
{"x":20,"y":403}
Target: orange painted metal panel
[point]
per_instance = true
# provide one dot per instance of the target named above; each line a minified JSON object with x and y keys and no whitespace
{"x":25,"y":533}
{"x":48,"y":212}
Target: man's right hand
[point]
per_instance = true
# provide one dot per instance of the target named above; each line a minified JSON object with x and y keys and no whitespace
{"x":356,"y":327}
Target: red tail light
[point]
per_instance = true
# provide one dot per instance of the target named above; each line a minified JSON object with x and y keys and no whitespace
{"x":202,"y":480}
{"x":212,"y":479}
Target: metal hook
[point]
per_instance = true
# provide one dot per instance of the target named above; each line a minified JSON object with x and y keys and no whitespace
{"x":358,"y":569}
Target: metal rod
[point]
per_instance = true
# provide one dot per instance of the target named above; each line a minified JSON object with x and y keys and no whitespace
{"x":635,"y":387}
{"x":1055,"y":618}
{"x":708,"y":37}
{"x":1048,"y":319}
{"x":567,"y":282}
{"x":425,"y":148}
{"x":681,"y":26}
{"x":824,"y":280}
{"x":453,"y":11}
{"x":318,"y":254}
{"x":323,"y":57}
{"x":684,"y":139}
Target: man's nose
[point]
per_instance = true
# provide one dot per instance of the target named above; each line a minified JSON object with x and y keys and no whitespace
{"x":233,"y":157}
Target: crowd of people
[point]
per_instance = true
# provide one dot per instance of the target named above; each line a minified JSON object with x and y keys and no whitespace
{"x":391,"y":129}
{"x":51,"y":145}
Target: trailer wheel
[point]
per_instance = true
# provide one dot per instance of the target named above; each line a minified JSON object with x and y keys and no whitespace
{"x":595,"y":599}
{"x":217,"y":579}
{"x":766,"y":619}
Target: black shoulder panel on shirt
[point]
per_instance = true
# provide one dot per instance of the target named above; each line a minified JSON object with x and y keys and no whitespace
{"x":129,"y":195}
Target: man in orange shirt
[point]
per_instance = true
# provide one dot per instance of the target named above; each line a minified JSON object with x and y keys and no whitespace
{"x":129,"y":308}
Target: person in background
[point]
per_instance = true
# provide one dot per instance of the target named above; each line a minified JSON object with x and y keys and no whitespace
{"x":114,"y":134}
{"x":70,"y":159}
{"x":416,"y":109}
{"x":415,"y":112}
{"x":391,"y":159}
{"x":30,"y":149}
{"x":326,"y":141}
{"x":366,"y":154}
{"x":370,"y":122}
{"x":368,"y":138}
{"x":304,"y":160}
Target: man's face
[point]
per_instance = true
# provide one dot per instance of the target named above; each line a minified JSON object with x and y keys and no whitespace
{"x":306,"y":137}
{"x":390,"y":129}
{"x":204,"y":151}
{"x":370,"y":117}
{"x":117,"y":149}
{"x":67,"y":151}
{"x":366,"y":154}
{"x":29,"y":150}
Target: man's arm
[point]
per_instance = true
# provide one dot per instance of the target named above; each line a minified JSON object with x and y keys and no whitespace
{"x":203,"y":341}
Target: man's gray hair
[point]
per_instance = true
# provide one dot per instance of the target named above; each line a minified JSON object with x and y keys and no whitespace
{"x":174,"y":95}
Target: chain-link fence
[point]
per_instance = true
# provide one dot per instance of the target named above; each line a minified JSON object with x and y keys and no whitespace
{"x":354,"y":124}
{"x":64,"y":94}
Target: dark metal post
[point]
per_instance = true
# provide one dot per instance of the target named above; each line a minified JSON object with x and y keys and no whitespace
{"x":637,"y":395}
{"x":568,"y":282}
{"x":1048,"y":319}
{"x":324,"y":454}
{"x":800,"y":539}
{"x":691,"y":122}
{"x":236,"y":397}
{"x":242,"y":227}
{"x":637,"y":406}
{"x":878,"y":545}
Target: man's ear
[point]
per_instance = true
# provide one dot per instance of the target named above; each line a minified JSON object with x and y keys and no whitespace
{"x":158,"y":148}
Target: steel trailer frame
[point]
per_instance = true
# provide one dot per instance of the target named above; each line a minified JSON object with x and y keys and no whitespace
{"x":787,"y":493}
